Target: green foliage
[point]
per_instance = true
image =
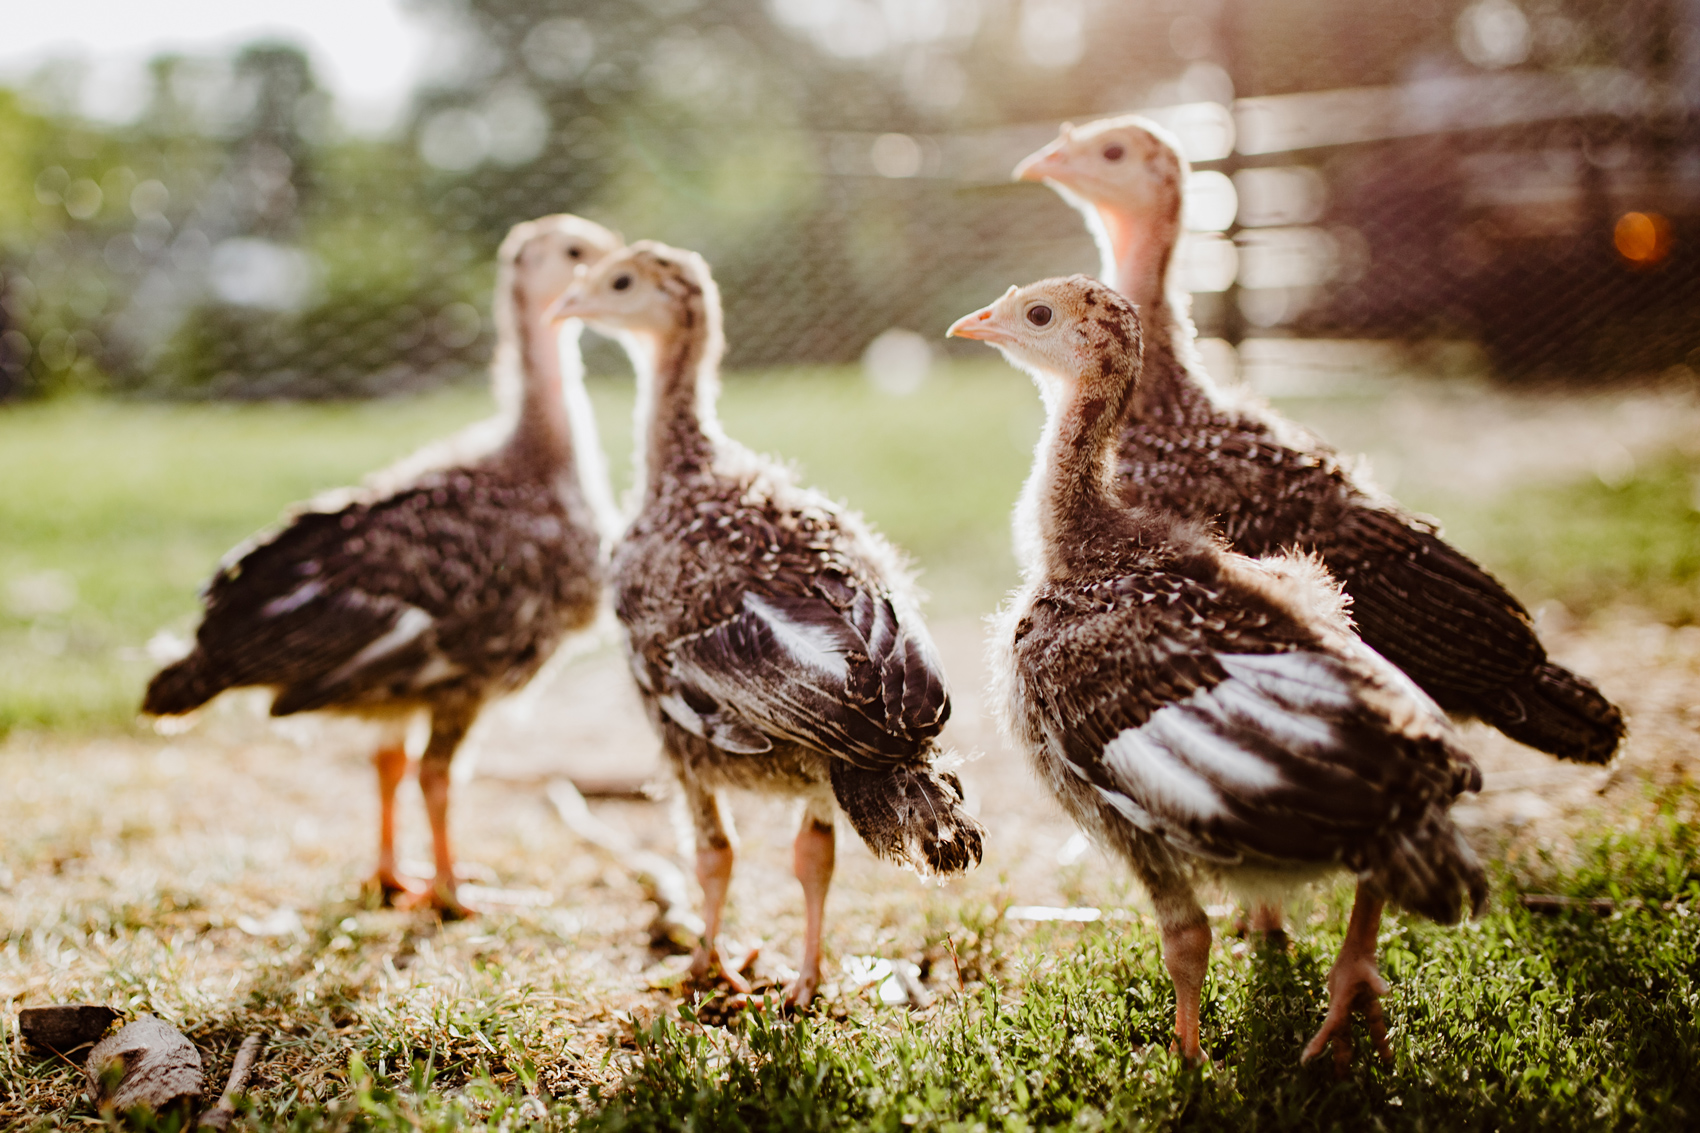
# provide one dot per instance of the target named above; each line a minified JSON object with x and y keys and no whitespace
{"x":134,"y":504}
{"x":1591,"y":545}
{"x":1514,"y":1022}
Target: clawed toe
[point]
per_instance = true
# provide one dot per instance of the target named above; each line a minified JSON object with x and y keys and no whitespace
{"x":709,"y":966}
{"x":393,"y":889}
{"x":438,"y":899}
{"x":800,"y":992}
{"x":1361,"y":995}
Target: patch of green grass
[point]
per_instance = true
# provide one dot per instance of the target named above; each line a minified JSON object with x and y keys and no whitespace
{"x":1514,"y":1022}
{"x":114,"y":513}
{"x":134,"y":503}
{"x":1590,"y":545}
{"x":1518,"y":1021}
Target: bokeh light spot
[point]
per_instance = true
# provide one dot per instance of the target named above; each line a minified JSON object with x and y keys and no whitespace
{"x":1642,"y":238}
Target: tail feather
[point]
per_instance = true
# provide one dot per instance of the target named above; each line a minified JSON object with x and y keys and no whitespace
{"x":911,"y":814}
{"x":182,"y":686}
{"x":1428,"y":868}
{"x":1561,"y":714}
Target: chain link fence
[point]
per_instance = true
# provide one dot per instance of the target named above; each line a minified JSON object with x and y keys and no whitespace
{"x":1518,"y":178}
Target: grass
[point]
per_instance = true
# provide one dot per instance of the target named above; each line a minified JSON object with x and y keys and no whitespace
{"x":1590,"y":544}
{"x":116,"y":512}
{"x":1517,"y":1021}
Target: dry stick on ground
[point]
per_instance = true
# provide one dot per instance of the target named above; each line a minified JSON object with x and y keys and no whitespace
{"x":663,"y":882}
{"x":148,"y":1064}
{"x":219,"y":1116}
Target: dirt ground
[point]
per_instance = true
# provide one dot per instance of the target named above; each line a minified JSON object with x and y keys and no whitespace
{"x":186,"y":874}
{"x":246,"y":827}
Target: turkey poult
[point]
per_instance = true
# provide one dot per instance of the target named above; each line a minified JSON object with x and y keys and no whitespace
{"x":774,"y":638}
{"x":1201,"y":713}
{"x":1271,"y":486}
{"x":449,"y":583}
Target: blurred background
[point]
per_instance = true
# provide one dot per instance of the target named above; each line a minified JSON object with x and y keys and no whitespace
{"x":246,"y":251}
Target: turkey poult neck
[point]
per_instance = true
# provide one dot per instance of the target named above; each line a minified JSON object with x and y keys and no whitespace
{"x":542,"y":440}
{"x":1074,"y":471}
{"x":678,"y":372}
{"x":1137,"y":258}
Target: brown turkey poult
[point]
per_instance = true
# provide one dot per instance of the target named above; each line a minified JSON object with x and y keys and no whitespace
{"x":442,"y":584}
{"x":775,"y":639}
{"x":1270,"y":485}
{"x":1204,"y":714}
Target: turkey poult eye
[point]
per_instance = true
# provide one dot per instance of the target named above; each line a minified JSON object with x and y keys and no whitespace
{"x":573,"y":253}
{"x":1039,"y":315}
{"x":1114,"y":153}
{"x":622,"y":282}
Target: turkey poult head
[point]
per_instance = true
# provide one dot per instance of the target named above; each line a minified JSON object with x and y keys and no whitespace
{"x":648,"y":288}
{"x":1129,"y":164}
{"x":540,"y":257}
{"x":1079,"y":339}
{"x":1127,"y":177}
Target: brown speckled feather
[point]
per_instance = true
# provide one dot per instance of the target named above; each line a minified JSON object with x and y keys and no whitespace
{"x":776,"y":640}
{"x":1191,"y":705}
{"x":1424,"y":605}
{"x":460,"y":585}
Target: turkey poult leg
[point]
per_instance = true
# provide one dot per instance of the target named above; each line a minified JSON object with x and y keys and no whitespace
{"x":1186,"y":953}
{"x":1266,"y":920}
{"x":447,"y":730}
{"x":714,"y":874}
{"x":1354,"y":982}
{"x":812,"y":857}
{"x":391,"y":762}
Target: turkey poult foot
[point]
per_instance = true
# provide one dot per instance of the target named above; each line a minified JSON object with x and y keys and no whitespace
{"x":440,"y":899}
{"x":1354,"y":984}
{"x":709,"y":966}
{"x":393,"y":889}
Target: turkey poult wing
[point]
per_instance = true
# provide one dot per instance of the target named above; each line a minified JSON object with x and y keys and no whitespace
{"x":1235,"y":745}
{"x":828,"y":664}
{"x":1417,"y":600}
{"x":1431,"y":610}
{"x":385,"y":599}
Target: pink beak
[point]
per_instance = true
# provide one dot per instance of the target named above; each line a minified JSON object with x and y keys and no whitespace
{"x":569,"y":306}
{"x":979,"y":325}
{"x":1048,"y":164}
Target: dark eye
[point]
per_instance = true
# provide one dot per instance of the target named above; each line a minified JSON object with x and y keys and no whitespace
{"x":573,"y":253}
{"x":621,"y":282}
{"x":1114,"y":153}
{"x":1039,"y":315}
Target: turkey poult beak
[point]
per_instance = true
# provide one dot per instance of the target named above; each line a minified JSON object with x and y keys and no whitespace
{"x":981,"y":325}
{"x":1049,"y":164}
{"x":571,"y":305}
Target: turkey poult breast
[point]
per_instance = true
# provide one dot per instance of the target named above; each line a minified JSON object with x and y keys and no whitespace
{"x":1270,"y":485}
{"x":1198,"y":711}
{"x":775,"y":640}
{"x":442,"y":583}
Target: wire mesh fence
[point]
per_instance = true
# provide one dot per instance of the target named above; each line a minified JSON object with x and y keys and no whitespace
{"x":1520,"y":178}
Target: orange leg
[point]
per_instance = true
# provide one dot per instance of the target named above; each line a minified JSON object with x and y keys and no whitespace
{"x":714,"y":874}
{"x":812,"y":857}
{"x":1186,"y":953}
{"x":391,"y":762}
{"x":1354,"y":983}
{"x":448,"y":728}
{"x":1266,"y":920}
